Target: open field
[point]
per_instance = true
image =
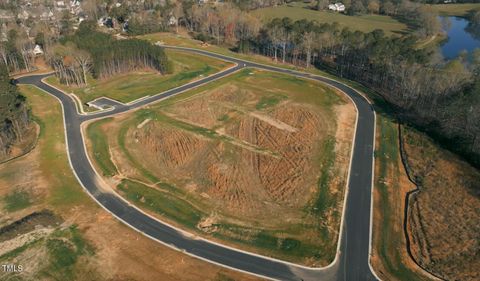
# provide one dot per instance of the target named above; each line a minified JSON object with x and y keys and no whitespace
{"x":364,"y":23}
{"x":259,"y":144}
{"x":455,"y":9}
{"x":73,"y":240}
{"x":444,"y":214}
{"x":131,"y":86}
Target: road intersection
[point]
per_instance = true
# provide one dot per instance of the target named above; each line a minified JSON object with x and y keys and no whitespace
{"x":352,"y":261}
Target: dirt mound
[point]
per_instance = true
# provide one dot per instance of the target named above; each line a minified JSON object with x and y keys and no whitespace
{"x":170,"y":148}
{"x":230,"y":180}
{"x":28,"y":223}
{"x":283,"y":178}
{"x":209,"y":108}
{"x":238,"y":177}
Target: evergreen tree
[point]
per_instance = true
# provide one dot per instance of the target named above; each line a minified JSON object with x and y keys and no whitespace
{"x":14,"y":115}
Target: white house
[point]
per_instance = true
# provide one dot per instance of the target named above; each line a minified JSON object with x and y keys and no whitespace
{"x":100,"y":21}
{"x":337,"y":7}
{"x":38,"y":51}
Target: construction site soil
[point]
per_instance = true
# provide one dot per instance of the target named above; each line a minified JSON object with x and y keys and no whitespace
{"x":257,"y":152}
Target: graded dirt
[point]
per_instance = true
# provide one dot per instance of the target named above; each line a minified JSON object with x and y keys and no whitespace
{"x":243,"y":154}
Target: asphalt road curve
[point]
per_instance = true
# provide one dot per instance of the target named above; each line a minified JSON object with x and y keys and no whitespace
{"x":352,"y":260}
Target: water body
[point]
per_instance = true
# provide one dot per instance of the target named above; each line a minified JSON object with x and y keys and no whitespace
{"x":461,"y":37}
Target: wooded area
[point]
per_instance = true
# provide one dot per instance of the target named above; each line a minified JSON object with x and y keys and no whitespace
{"x":13,"y":111}
{"x":440,"y":97}
{"x":89,"y":51}
{"x":16,"y":52}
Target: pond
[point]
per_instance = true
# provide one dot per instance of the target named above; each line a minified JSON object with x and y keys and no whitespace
{"x":461,"y":36}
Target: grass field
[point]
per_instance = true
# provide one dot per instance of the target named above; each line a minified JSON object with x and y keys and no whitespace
{"x":364,"y":23}
{"x":162,"y":190}
{"x":131,"y":86}
{"x":65,"y":247}
{"x":455,"y":9}
{"x":17,"y":200}
{"x":100,"y":145}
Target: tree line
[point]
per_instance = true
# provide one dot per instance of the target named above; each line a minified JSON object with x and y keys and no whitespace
{"x":441,"y":97}
{"x":89,"y":51}
{"x":473,"y":26}
{"x":220,"y":21}
{"x":14,"y":113}
{"x":16,"y":53}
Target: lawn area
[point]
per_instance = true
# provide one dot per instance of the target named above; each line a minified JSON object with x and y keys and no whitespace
{"x":221,"y":108}
{"x":65,"y":247}
{"x":131,"y":86}
{"x":458,"y":10}
{"x":100,"y":145}
{"x":17,"y":200}
{"x":364,"y":23}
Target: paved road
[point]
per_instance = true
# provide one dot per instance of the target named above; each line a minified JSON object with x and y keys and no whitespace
{"x":352,"y":262}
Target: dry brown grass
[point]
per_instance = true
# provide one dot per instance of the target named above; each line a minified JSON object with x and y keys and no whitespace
{"x":445,"y":214}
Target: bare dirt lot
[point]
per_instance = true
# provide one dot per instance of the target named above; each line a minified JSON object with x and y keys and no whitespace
{"x":230,"y":157}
